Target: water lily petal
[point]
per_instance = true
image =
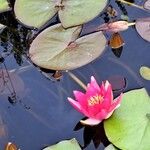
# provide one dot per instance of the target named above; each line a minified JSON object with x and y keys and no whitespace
{"x":81,"y":98}
{"x":116,"y":103}
{"x":101,"y":115}
{"x":108,"y":96}
{"x":90,"y":121}
{"x":94,"y":84}
{"x":75,"y":104}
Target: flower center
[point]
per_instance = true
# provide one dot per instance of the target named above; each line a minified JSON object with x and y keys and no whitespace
{"x":97,"y":99}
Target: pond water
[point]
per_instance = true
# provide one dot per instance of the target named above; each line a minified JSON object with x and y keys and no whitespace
{"x":41,"y":115}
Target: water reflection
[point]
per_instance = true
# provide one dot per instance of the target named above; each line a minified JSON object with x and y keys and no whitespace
{"x":42,"y":115}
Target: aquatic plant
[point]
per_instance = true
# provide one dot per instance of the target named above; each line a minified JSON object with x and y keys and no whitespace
{"x":71,"y":13}
{"x":97,"y":103}
{"x":57,"y":48}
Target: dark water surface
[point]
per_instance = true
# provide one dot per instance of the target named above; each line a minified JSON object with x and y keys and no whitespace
{"x":42,"y":115}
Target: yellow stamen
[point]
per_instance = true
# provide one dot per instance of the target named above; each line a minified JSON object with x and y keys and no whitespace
{"x":97,"y":99}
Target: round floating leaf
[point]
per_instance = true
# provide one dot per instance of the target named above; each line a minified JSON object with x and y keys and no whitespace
{"x":147,"y":5}
{"x":35,"y":12}
{"x":76,"y":12}
{"x":4,"y":6}
{"x":110,"y":147}
{"x":129,"y":126}
{"x":145,"y":72}
{"x":71,"y":12}
{"x":143,"y":28}
{"x":50,"y":49}
{"x":65,"y":145}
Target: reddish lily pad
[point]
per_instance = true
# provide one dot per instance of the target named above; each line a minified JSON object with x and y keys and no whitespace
{"x":143,"y":28}
{"x":57,"y":48}
{"x":129,"y":126}
{"x":147,"y":5}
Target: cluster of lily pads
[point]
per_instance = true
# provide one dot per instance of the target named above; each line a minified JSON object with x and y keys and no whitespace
{"x":60,"y":47}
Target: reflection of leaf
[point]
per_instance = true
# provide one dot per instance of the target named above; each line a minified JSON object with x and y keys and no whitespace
{"x":145,"y":72}
{"x":129,"y":126}
{"x":52,"y":49}
{"x":4,"y":5}
{"x":65,"y":145}
{"x":71,"y":13}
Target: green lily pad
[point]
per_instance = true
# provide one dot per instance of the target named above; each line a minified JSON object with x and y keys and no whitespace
{"x":110,"y":147}
{"x":76,"y":12}
{"x":4,"y":6}
{"x":65,"y":145}
{"x":71,"y":12}
{"x":129,"y":126}
{"x":51,"y":48}
{"x":35,"y":13}
{"x":145,"y":72}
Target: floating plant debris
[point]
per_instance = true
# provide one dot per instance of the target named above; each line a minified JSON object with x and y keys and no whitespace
{"x":126,"y":124}
{"x":143,"y":28}
{"x":116,"y":41}
{"x":65,"y":145}
{"x":57,"y":48}
{"x":11,"y":146}
{"x":71,"y":13}
{"x":145,"y":72}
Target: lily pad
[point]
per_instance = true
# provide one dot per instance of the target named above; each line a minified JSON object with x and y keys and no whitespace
{"x":34,"y":13}
{"x":143,"y":28}
{"x":75,"y":11}
{"x":57,"y":48}
{"x":129,"y":126}
{"x":71,"y":13}
{"x":65,"y":145}
{"x":110,"y":147}
{"x":147,"y":5}
{"x":145,"y":72}
{"x":4,"y":6}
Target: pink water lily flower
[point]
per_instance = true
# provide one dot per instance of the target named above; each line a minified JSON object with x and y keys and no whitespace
{"x":97,"y":103}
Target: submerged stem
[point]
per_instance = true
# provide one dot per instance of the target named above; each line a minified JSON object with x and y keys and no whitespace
{"x":76,"y":79}
{"x":134,"y":5}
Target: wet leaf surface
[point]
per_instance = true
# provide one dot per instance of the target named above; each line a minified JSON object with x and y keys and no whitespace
{"x":59,"y":49}
{"x":126,"y":124}
{"x":65,"y":145}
